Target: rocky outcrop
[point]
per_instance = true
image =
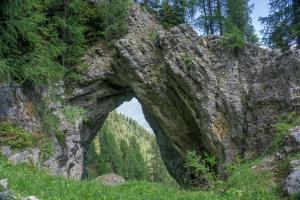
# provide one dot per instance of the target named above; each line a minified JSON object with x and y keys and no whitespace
{"x":196,"y":95}
{"x":292,"y":146}
{"x":292,"y":182}
{"x":111,"y":179}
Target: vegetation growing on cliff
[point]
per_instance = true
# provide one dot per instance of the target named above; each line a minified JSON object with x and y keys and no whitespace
{"x":14,"y":136}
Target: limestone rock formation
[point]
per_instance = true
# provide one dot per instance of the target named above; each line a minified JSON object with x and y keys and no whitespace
{"x":196,"y":95}
{"x":292,"y":182}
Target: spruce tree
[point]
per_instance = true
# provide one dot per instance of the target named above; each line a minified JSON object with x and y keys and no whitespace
{"x":282,"y":25}
{"x":137,"y":160}
{"x":110,"y":154}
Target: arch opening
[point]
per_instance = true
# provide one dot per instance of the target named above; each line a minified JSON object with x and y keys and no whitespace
{"x":127,"y":146}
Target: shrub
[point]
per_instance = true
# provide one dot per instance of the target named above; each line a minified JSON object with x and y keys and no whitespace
{"x":13,"y":136}
{"x":202,"y":168}
{"x":188,"y":60}
{"x":233,"y":39}
{"x":73,"y":113}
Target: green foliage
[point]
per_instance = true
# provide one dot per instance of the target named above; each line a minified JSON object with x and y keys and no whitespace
{"x":171,"y":15}
{"x":15,"y":137}
{"x":188,"y":60}
{"x":246,"y":184}
{"x":46,"y":149}
{"x":110,"y":155}
{"x":152,"y":34}
{"x":202,"y":168}
{"x":233,"y":39}
{"x":157,"y":169}
{"x":283,"y":124}
{"x":50,"y":123}
{"x":113,"y":13}
{"x":74,"y":113}
{"x":282,"y":25}
{"x":140,"y":157}
{"x":41,"y":41}
{"x":238,"y":19}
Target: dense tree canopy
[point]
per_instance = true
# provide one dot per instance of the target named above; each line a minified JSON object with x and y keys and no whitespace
{"x":41,"y":40}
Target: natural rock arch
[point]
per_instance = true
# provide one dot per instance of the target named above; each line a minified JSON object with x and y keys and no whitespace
{"x":196,"y":95}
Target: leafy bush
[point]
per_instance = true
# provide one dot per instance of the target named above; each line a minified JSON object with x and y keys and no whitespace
{"x":73,"y":113}
{"x":15,"y":137}
{"x":202,"y":168}
{"x":233,"y":39}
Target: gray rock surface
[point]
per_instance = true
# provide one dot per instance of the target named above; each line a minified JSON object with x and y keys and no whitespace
{"x":3,"y":184}
{"x":111,"y":179}
{"x":196,"y":95}
{"x":292,"y":141}
{"x":292,"y":182}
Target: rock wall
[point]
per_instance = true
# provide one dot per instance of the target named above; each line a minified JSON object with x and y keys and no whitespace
{"x":196,"y":95}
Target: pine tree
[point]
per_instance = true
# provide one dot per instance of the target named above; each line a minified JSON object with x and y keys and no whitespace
{"x":238,"y":16}
{"x":110,"y":154}
{"x":156,"y":164}
{"x":282,"y":26}
{"x":137,"y":160}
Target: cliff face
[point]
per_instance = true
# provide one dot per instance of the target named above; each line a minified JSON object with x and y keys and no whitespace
{"x":196,"y":95}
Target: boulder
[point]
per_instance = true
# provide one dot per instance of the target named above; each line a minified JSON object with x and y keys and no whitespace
{"x":292,"y":182}
{"x":292,"y":141}
{"x":111,"y":179}
{"x":7,"y":195}
{"x":3,"y":184}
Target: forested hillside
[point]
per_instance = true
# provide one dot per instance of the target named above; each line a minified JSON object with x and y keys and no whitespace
{"x":124,"y":147}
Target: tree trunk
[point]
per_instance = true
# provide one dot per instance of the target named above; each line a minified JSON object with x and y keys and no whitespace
{"x":206,"y":26}
{"x":210,"y":19}
{"x":219,"y":13}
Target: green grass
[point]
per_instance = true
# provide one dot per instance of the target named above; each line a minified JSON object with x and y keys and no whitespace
{"x":244,"y":184}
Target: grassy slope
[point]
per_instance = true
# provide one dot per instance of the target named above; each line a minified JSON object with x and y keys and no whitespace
{"x":243,"y":184}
